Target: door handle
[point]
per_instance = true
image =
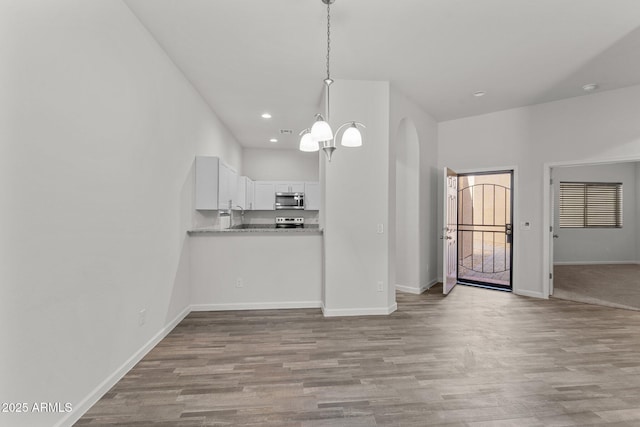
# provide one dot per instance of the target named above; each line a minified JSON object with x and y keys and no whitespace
{"x":555,"y":236}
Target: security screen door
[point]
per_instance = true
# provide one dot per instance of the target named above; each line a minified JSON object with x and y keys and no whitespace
{"x":485,"y":229}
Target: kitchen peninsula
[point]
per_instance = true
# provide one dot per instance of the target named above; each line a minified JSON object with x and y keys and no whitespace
{"x":255,"y":268}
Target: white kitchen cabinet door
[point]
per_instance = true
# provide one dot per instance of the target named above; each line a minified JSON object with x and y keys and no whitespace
{"x":207,"y":183}
{"x":289,"y":187}
{"x":225,"y":199}
{"x":250,"y":195}
{"x":296,"y":187}
{"x":312,"y":196}
{"x":241,"y":198}
{"x":233,"y":188}
{"x":265,"y":196}
{"x":244,"y":193}
{"x":282,"y":187}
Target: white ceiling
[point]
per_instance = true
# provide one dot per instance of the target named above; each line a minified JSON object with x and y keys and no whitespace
{"x":250,"y":56}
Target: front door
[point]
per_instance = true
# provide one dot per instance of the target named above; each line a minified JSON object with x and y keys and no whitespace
{"x":450,"y":232}
{"x":485,"y":229}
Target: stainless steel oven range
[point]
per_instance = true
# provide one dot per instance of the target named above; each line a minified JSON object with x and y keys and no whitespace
{"x":289,"y":222}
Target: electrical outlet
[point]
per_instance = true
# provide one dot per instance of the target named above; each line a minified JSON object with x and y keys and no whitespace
{"x":142,"y":317}
{"x":239,"y":283}
{"x":380,"y":286}
{"x":380,"y":228}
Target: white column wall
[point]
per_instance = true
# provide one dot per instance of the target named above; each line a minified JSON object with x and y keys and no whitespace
{"x":356,"y":200}
{"x":98,"y":134}
{"x":599,"y":126}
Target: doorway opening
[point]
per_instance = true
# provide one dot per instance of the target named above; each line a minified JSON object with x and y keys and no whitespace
{"x":485,"y":229}
{"x":478,"y":229}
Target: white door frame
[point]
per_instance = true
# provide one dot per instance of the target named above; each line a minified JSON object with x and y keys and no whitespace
{"x":547,"y":214}
{"x":516,"y":230}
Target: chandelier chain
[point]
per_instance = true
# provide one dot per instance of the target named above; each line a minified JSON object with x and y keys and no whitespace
{"x":328,"y":37}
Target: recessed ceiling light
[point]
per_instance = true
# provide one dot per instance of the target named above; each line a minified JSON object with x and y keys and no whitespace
{"x":266,"y":115}
{"x":273,"y":140}
{"x":479,"y":93}
{"x":590,"y":87}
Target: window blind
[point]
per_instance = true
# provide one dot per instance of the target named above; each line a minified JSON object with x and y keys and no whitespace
{"x":590,"y":205}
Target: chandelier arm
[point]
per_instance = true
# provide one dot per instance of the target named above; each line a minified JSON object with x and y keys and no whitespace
{"x":348,"y":124}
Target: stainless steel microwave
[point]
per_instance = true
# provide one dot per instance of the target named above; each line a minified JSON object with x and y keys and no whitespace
{"x":289,"y":200}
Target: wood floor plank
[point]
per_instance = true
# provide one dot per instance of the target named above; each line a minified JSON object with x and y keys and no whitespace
{"x":473,"y":358}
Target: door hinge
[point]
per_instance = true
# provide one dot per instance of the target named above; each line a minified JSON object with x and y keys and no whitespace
{"x":551,"y":181}
{"x":551,"y":229}
{"x":550,"y":275}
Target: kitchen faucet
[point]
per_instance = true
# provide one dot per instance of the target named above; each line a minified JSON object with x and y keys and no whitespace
{"x":241,"y":215}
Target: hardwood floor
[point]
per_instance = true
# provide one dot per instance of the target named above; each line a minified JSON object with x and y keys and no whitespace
{"x":474,"y":358}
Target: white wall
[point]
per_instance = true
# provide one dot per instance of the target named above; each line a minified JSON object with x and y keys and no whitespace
{"x":638,"y":212}
{"x":98,"y":133}
{"x":422,"y":267}
{"x":407,"y":257}
{"x":598,"y":126}
{"x":280,"y":165}
{"x":356,"y":191}
{"x":598,"y":245}
{"x":277,"y":271}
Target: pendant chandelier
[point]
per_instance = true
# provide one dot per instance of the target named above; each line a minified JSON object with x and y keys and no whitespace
{"x":321,"y":132}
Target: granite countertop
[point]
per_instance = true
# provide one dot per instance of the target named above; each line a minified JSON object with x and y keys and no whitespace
{"x":259,"y":228}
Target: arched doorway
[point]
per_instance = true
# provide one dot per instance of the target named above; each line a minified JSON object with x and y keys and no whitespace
{"x":407,"y":207}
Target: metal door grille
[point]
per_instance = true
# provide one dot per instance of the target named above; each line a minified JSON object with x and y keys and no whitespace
{"x":484,"y":234}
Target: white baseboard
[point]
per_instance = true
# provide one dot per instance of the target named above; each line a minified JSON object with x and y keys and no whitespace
{"x":257,"y":306}
{"x":85,"y":404}
{"x":337,"y":312}
{"x":414,"y":290}
{"x":532,"y":294}
{"x":595,"y":262}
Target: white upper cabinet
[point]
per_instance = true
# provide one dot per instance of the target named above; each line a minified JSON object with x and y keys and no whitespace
{"x":289,"y":187}
{"x":250,"y":194}
{"x":311,"y":196}
{"x":296,"y":187}
{"x":264,"y":196}
{"x":228,"y":187}
{"x":244,"y":193}
{"x":207,"y":182}
{"x":216,"y":184}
